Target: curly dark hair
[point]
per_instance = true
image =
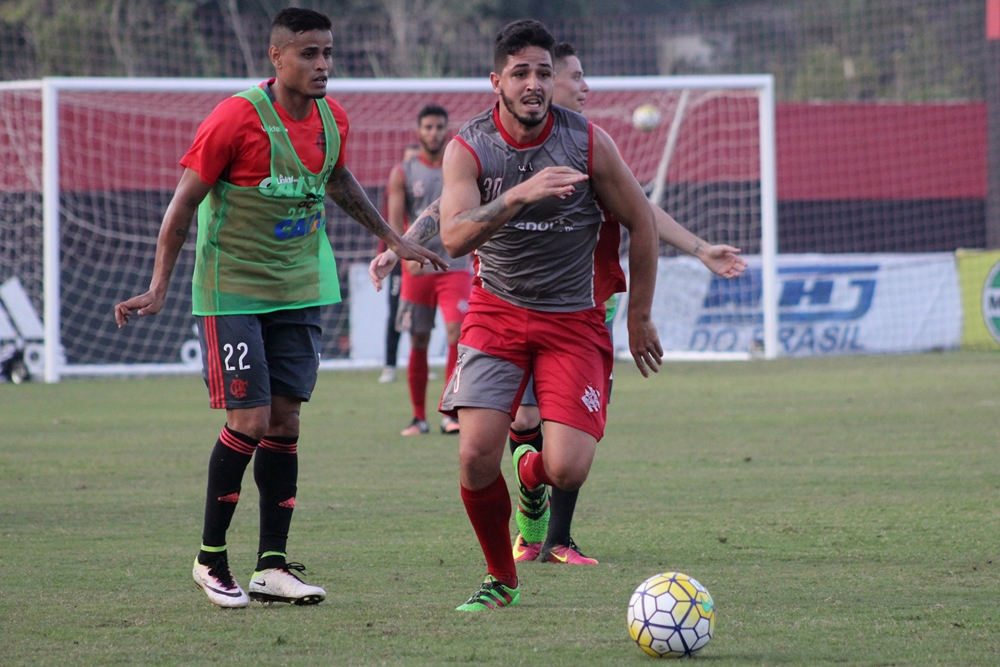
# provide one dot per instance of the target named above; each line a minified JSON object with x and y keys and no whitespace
{"x":517,"y":36}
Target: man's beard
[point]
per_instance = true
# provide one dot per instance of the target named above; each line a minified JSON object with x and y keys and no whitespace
{"x":527,"y":121}
{"x":431,"y":148}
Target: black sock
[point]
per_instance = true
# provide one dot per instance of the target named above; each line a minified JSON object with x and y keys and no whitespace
{"x":226,"y":466}
{"x":529,"y":436}
{"x":276,"y":471}
{"x":563,"y":506}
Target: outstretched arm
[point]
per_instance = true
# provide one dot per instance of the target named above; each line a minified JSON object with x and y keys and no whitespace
{"x":466,"y":223}
{"x":623,"y":196}
{"x":348,"y":194}
{"x":426,"y":227}
{"x":723,"y":260}
{"x":191,"y":190}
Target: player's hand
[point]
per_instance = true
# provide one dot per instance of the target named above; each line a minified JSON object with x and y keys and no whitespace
{"x":723,"y":260}
{"x":415,"y":269}
{"x":381,"y":266}
{"x":644,"y":344}
{"x":144,"y":304}
{"x":549,"y":182}
{"x":407,"y":249}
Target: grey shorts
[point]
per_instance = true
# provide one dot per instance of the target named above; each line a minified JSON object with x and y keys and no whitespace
{"x":414,"y":317}
{"x":247,"y":359}
{"x":481,"y":380}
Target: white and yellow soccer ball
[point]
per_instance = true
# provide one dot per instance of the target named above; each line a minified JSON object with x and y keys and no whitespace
{"x":671,"y":616}
{"x":646,"y":118}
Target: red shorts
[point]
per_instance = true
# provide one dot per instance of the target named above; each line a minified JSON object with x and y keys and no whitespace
{"x":570,"y":355}
{"x":448,"y":291}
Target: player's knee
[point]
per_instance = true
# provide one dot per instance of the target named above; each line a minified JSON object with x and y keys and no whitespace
{"x":284,"y":417}
{"x":252,"y":428}
{"x":420,"y":341}
{"x":527,"y":418}
{"x":286,"y":426}
{"x":568,"y":479}
{"x":475,"y":455}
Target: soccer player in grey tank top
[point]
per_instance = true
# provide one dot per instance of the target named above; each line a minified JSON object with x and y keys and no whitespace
{"x":521,"y":184}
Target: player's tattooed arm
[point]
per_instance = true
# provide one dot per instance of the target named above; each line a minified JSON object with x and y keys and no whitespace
{"x":348,"y":194}
{"x":427,"y":226}
{"x":485,"y":221}
{"x":466,"y":222}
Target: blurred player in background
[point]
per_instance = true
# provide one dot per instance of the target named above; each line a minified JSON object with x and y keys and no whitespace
{"x":260,"y":278}
{"x":395,"y":286}
{"x":413,"y":185}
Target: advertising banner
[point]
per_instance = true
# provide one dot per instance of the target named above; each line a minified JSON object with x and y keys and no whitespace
{"x":827,"y":304}
{"x":979,"y":271}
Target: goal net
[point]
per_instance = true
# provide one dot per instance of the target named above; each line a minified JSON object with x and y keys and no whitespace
{"x":90,"y":165}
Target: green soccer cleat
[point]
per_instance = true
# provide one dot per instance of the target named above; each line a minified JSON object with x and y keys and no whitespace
{"x":533,"y":505}
{"x":491,"y":595}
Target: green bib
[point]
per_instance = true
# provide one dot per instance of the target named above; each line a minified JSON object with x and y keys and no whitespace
{"x":265,"y":248}
{"x":610,"y":308}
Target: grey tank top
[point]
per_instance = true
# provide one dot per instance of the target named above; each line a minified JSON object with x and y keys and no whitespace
{"x":423,"y":187}
{"x":543,"y":258}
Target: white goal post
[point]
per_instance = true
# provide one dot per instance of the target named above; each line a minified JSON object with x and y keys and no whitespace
{"x":109,"y":149}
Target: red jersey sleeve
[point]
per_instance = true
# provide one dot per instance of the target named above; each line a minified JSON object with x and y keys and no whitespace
{"x":343,"y":125}
{"x":231,"y":144}
{"x":220,"y":137}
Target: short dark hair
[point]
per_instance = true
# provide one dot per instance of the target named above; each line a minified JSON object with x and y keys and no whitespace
{"x":516,"y":36}
{"x":563,"y":50}
{"x":299,"y":20}
{"x":432,"y":110}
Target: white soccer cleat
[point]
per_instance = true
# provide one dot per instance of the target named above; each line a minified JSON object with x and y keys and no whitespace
{"x":388,"y":375}
{"x":279,"y":584}
{"x":219,"y":584}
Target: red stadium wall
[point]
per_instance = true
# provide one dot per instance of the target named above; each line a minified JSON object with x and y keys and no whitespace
{"x":851,"y":177}
{"x":824,"y":151}
{"x":881,"y":151}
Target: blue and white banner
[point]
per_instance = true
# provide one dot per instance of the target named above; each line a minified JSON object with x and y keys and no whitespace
{"x":827,"y":305}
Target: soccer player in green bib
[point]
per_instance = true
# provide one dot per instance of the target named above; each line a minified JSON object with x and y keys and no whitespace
{"x":258,"y":174}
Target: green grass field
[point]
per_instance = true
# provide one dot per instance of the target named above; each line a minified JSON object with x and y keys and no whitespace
{"x":841,"y":512}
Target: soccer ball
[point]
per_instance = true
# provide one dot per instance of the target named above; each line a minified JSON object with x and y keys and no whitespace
{"x":645,"y":118}
{"x":671,"y":616}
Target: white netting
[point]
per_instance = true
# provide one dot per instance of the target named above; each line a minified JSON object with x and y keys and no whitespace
{"x":119,"y":153}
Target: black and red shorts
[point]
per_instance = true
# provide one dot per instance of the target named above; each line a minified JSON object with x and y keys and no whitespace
{"x":247,"y":359}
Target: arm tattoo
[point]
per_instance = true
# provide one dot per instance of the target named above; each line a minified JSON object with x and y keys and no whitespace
{"x":347,"y":193}
{"x":489,"y":212}
{"x":697,"y":247}
{"x":427,"y":226}
{"x":491,"y":217}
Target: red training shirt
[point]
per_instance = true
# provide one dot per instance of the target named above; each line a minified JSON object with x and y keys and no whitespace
{"x":231,"y":143}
